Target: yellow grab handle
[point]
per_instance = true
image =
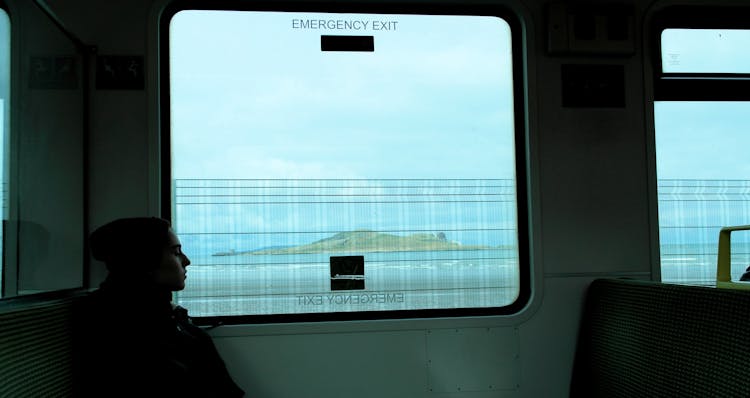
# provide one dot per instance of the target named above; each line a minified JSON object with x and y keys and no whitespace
{"x":723,"y":263}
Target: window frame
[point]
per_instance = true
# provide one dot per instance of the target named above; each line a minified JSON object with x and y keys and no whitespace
{"x":522,"y":171}
{"x":688,"y":87}
{"x":19,"y":95}
{"x":8,"y":271}
{"x":698,"y":86}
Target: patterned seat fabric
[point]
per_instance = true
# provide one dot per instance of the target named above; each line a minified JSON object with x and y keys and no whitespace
{"x":649,"y":339}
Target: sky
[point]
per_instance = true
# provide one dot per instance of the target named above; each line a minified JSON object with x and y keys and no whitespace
{"x":253,"y":96}
{"x":709,"y":140}
{"x":703,"y":140}
{"x":4,"y":86}
{"x":705,"y":50}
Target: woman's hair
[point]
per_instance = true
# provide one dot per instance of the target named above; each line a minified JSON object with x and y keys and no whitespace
{"x":130,"y":245}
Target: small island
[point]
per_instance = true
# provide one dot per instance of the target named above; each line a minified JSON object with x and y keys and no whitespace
{"x":368,"y":242}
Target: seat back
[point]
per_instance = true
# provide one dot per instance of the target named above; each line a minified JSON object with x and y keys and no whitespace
{"x":640,"y":338}
{"x":37,"y":346}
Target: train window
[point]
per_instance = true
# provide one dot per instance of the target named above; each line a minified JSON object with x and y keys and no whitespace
{"x":700,"y":108}
{"x":346,"y":164}
{"x":703,"y":185}
{"x":705,"y":51}
{"x":4,"y":125}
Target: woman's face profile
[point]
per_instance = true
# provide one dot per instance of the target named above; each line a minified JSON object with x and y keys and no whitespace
{"x":170,"y":273}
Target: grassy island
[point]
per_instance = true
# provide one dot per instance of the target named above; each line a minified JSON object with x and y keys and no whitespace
{"x":368,"y":241}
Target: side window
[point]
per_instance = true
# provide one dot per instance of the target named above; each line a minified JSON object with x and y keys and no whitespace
{"x":4,"y":128}
{"x":346,"y":163}
{"x":42,"y":170}
{"x":701,"y":127}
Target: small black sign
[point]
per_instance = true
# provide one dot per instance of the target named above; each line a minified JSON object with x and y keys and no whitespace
{"x":347,"y":272}
{"x":53,"y":72}
{"x":119,"y":72}
{"x":593,"y":86}
{"x":347,"y":43}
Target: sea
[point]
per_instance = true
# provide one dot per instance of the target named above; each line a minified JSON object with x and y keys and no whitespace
{"x":256,"y":284}
{"x":238,"y":217}
{"x":249,"y":284}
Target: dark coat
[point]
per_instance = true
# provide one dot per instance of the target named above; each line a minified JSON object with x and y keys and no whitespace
{"x":132,"y":342}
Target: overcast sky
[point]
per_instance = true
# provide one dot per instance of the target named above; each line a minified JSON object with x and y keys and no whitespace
{"x":709,"y":140}
{"x":253,"y":96}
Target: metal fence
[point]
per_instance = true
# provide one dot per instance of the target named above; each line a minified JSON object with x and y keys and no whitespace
{"x":691,"y":214}
{"x":230,"y":215}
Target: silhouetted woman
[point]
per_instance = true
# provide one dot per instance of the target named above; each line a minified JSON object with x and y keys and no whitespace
{"x":134,"y":342}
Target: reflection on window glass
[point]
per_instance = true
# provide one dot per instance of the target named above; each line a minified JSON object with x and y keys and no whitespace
{"x":704,"y":184}
{"x":4,"y":125}
{"x":705,"y":51}
{"x":309,"y":181}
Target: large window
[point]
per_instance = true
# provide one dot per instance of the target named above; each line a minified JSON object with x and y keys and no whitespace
{"x":348,"y":163}
{"x":702,"y":141}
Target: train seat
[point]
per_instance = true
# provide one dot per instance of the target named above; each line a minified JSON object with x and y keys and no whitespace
{"x":643,"y":338}
{"x":37,"y":346}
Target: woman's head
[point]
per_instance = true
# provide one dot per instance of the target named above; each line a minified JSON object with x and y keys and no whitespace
{"x":143,"y":249}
